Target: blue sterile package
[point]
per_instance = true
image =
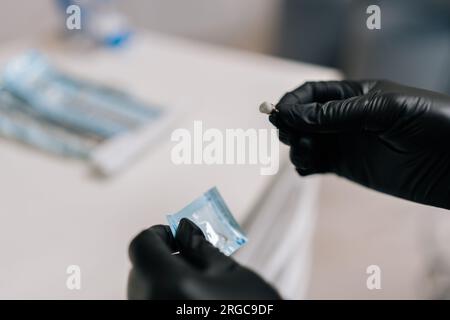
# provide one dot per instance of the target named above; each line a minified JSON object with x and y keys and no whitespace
{"x":78,"y":105}
{"x":46,"y":108}
{"x":210,"y":213}
{"x":19,"y":121}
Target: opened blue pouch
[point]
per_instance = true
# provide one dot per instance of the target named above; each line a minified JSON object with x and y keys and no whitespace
{"x":210,"y":213}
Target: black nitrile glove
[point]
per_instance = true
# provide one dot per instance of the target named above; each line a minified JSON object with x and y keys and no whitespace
{"x":388,"y":137}
{"x":199,"y":271}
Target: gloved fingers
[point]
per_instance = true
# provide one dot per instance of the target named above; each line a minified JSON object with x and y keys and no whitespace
{"x":310,"y":154}
{"x":138,"y":286}
{"x":274,"y":119}
{"x":331,"y":117}
{"x":322,"y":91}
{"x":152,"y":250}
{"x":308,"y":92}
{"x":318,"y":94}
{"x":198,"y":251}
{"x":284,"y":136}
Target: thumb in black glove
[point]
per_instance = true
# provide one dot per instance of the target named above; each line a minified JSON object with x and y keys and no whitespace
{"x":198,"y":271}
{"x":388,"y":137}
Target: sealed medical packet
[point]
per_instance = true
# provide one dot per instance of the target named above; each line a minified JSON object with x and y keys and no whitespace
{"x":210,"y":213}
{"x":44,"y":107}
{"x":19,"y":121}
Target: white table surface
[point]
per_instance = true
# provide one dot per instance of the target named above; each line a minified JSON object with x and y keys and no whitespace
{"x":55,"y":213}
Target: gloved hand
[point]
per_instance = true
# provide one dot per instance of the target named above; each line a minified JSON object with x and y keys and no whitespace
{"x":199,"y":271}
{"x":388,"y":137}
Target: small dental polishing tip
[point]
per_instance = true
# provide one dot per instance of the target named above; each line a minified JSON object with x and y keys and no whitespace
{"x":267,"y":107}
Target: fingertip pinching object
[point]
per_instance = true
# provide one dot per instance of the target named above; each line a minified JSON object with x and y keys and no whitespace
{"x":267,"y":107}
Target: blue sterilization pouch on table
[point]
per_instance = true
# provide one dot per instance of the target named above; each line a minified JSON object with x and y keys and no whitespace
{"x":210,"y":213}
{"x":78,"y":105}
{"x":59,"y":113}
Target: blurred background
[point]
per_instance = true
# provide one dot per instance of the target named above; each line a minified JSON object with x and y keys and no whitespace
{"x":356,"y":227}
{"x":414,"y":39}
